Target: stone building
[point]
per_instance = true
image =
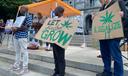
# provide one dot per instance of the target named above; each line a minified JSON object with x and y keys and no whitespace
{"x":87,"y":7}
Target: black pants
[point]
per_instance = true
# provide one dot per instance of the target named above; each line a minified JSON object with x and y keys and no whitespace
{"x":47,"y":43}
{"x":0,"y":37}
{"x":59,"y":59}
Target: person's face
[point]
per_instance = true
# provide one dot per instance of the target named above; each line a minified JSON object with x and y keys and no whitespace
{"x":23,"y":10}
{"x":59,"y":11}
{"x":102,"y":2}
{"x":107,"y":1}
{"x":39,"y":15}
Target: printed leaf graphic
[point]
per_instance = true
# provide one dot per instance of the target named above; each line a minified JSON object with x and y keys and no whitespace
{"x":67,"y":24}
{"x":107,"y":18}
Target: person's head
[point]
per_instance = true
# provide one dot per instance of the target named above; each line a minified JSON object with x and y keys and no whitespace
{"x":23,"y":9}
{"x":59,"y":11}
{"x":1,"y":20}
{"x":39,"y":15}
{"x":104,"y":1}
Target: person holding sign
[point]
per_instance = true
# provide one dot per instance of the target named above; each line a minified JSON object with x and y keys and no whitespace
{"x":59,"y":52}
{"x":110,"y":47}
{"x":20,"y":40}
{"x":1,"y":29}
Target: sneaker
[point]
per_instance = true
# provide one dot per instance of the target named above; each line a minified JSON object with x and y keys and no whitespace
{"x":24,"y":71}
{"x":48,"y":49}
{"x":102,"y":74}
{"x":99,"y":56}
{"x":15,"y":67}
{"x":55,"y":75}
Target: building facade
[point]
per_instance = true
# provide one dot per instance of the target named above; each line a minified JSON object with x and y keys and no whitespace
{"x":88,"y":7}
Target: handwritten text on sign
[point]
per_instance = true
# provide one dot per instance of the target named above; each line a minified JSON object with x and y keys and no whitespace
{"x":58,"y":31}
{"x":107,"y":24}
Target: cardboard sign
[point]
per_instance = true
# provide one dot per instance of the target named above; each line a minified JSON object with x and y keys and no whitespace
{"x":59,"y":31}
{"x":107,"y":24}
{"x":19,"y":21}
{"x":9,"y":24}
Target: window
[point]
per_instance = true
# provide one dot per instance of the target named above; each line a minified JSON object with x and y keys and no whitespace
{"x":94,"y":3}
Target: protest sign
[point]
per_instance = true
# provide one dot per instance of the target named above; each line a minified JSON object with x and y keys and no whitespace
{"x":9,"y":24}
{"x":107,"y":24}
{"x":19,"y":21}
{"x":59,"y":31}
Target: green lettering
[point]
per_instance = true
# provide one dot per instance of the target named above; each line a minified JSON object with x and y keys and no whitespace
{"x":51,"y":34}
{"x":64,"y":38}
{"x":117,"y":25}
{"x":56,"y":35}
{"x":101,"y":29}
{"x":44,"y":34}
{"x":95,"y":29}
{"x":51,"y":22}
{"x":57,"y":21}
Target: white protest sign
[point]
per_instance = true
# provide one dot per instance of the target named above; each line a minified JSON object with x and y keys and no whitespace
{"x":19,"y":21}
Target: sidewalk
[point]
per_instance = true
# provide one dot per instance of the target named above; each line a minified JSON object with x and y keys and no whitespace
{"x":83,"y":55}
{"x":86,"y":55}
{"x":75,"y":53}
{"x":76,"y":57}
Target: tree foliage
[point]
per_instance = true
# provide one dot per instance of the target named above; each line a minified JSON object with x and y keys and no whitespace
{"x":8,"y":8}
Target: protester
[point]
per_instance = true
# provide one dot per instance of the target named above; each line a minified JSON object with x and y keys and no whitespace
{"x":1,"y":29}
{"x":88,"y":23}
{"x":59,"y":52}
{"x":20,"y":42}
{"x":110,"y":48}
{"x":38,"y":21}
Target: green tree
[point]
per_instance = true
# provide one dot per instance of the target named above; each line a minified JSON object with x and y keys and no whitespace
{"x":8,"y":8}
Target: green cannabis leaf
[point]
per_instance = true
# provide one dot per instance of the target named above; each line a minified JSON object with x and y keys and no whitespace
{"x":107,"y":18}
{"x":67,"y":24}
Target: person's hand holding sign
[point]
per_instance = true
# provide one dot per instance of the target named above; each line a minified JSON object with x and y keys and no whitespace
{"x":93,"y":15}
{"x":121,"y":13}
{"x":14,"y":29}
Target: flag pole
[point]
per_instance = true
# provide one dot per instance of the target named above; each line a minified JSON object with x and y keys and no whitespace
{"x":18,"y":11}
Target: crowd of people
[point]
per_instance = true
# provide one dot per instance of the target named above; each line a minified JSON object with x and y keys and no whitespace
{"x":20,"y":34}
{"x":20,"y":42}
{"x":109,"y":48}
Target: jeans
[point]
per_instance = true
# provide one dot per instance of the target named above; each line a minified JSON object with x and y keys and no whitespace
{"x":110,"y":49}
{"x":20,"y":46}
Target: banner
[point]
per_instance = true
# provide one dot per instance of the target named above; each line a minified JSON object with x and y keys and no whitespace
{"x":107,"y":24}
{"x":19,"y":21}
{"x":59,"y":31}
{"x":9,"y":24}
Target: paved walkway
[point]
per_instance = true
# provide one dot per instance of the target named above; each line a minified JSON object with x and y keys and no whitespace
{"x":83,"y":55}
{"x":79,"y":54}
